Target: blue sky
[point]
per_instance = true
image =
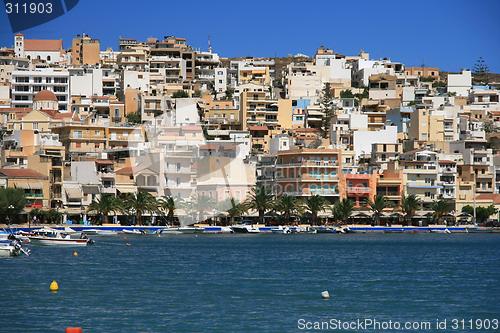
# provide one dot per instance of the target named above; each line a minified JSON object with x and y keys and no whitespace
{"x":448,"y":34}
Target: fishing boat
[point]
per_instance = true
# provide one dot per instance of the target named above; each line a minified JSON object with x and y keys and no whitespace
{"x":48,"y":236}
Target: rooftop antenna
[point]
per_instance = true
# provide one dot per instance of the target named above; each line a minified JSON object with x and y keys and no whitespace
{"x":209,"y":45}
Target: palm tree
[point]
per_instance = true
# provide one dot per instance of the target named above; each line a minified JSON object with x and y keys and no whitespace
{"x":409,"y":205}
{"x":237,"y":209}
{"x":342,"y":210}
{"x":261,"y":200}
{"x":167,"y":207}
{"x":377,"y":206}
{"x":287,"y":206}
{"x":440,"y":208}
{"x":141,"y":203}
{"x":105,"y":205}
{"x":315,"y":204}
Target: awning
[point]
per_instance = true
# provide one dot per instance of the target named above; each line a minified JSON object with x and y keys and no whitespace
{"x":126,"y":189}
{"x":36,"y":186}
{"x":90,"y":189}
{"x":22,"y":185}
{"x":73,"y":193}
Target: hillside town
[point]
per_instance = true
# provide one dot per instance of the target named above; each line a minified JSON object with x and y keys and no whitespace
{"x":159,"y":116}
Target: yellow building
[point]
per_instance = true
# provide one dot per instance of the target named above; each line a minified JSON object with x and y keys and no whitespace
{"x":258,"y":108}
{"x":36,"y":186}
{"x":85,"y":51}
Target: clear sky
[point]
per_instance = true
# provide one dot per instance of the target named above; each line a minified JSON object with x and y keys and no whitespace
{"x":449,"y":34}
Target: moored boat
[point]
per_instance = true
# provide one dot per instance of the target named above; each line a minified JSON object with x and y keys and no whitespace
{"x":245,"y":229}
{"x":48,"y":236}
{"x":217,"y":230}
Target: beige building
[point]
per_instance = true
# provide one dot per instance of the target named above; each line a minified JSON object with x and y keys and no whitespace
{"x":430,"y":72}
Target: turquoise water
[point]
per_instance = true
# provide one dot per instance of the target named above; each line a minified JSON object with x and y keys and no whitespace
{"x":250,"y":283}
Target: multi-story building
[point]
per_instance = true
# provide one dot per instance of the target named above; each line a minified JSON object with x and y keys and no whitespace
{"x":85,"y":51}
{"x":306,"y":172}
{"x":27,"y":83}
{"x":420,"y":175}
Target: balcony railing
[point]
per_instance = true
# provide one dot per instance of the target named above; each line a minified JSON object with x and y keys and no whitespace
{"x":358,"y":189}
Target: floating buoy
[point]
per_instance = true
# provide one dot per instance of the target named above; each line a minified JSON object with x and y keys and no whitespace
{"x":74,"y":330}
{"x":54,"y":287}
{"x":75,"y":253}
{"x":128,"y":244}
{"x":325,"y":294}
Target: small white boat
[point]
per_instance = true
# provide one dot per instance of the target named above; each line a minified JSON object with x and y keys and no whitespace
{"x":7,"y":250}
{"x":281,"y":230}
{"x":48,"y":236}
{"x":133,"y":232}
{"x":179,"y":230}
{"x":12,"y":248}
{"x":245,"y":229}
{"x":217,"y":230}
{"x":100,"y":232}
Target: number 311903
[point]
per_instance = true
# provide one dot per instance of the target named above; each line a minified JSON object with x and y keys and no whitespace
{"x":31,"y":8}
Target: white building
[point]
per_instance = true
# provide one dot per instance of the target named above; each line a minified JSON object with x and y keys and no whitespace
{"x":48,"y":50}
{"x":460,"y":84}
{"x":220,"y":81}
{"x":25,"y":84}
{"x":86,"y":82}
{"x":362,"y":140}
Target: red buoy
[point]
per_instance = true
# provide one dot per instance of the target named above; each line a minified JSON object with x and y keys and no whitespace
{"x":74,"y":330}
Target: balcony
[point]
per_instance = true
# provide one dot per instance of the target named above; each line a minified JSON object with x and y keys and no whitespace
{"x":358,"y":190}
{"x":417,"y":184}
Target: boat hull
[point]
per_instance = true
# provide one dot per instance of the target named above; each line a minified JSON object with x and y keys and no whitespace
{"x":59,"y":241}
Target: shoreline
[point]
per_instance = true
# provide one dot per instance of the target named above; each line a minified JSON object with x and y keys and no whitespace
{"x":358,"y":228}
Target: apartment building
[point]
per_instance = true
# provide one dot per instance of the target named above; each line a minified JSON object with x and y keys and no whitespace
{"x":259,"y":108}
{"x":421,"y":174}
{"x":27,"y":83}
{"x":85,"y":51}
{"x":306,"y":172}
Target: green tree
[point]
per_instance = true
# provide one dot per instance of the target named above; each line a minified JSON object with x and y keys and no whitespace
{"x":440,"y":208}
{"x":139,"y":204}
{"x":342,"y":210}
{"x":482,"y":213}
{"x":167,"y":206}
{"x":377,"y":206}
{"x":261,"y":200}
{"x":180,"y":94}
{"x":229,"y":94}
{"x":287,"y":206}
{"x":327,"y":107}
{"x":53,"y":216}
{"x":134,"y":118}
{"x":199,"y":206}
{"x":480,"y":67}
{"x":104,"y":206}
{"x":314,"y":205}
{"x":409,"y":205}
{"x":346,"y":94}
{"x":12,"y":203}
{"x":237,"y":210}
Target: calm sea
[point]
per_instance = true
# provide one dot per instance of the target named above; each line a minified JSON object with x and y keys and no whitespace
{"x":251,"y":283}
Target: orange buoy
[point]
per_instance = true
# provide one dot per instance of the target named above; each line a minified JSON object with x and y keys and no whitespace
{"x":74,"y":330}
